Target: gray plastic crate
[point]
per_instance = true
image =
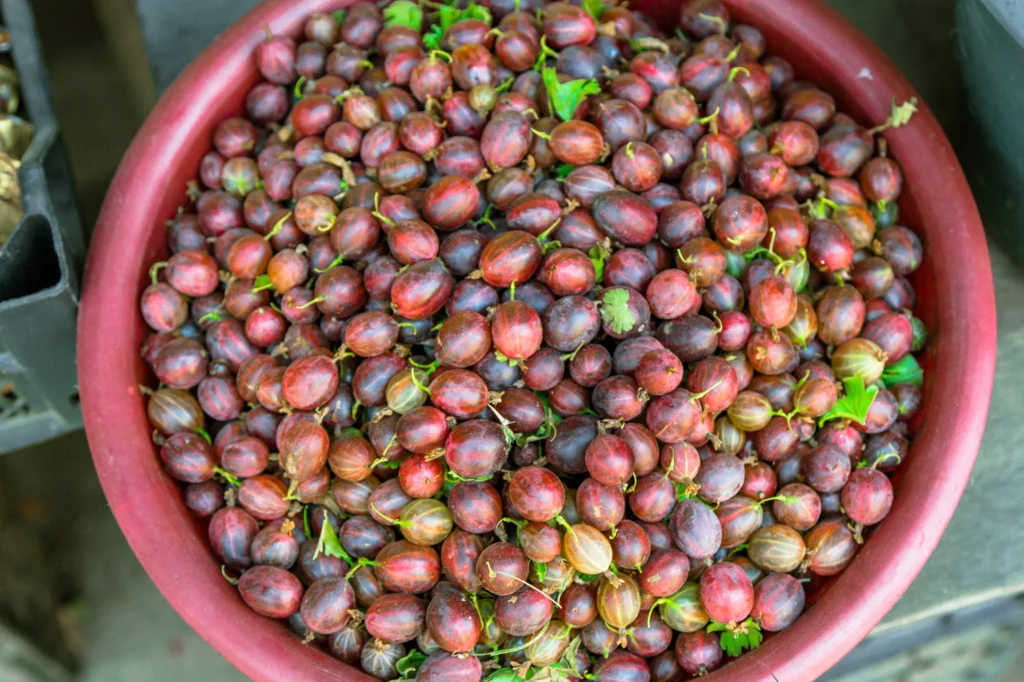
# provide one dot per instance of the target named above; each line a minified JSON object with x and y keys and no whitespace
{"x":40,"y":265}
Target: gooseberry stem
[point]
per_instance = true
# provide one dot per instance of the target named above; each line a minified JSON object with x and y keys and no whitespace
{"x":362,"y":561}
{"x":565,"y":524}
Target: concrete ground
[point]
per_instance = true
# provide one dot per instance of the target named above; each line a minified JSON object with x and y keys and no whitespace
{"x":121,"y":627}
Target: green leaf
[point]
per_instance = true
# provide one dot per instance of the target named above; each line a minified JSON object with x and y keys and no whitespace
{"x":339,"y":17}
{"x":567,"y":97}
{"x":475,"y":11}
{"x":548,"y":247}
{"x":453,"y":477}
{"x":404,"y":13}
{"x":262,"y":283}
{"x":501,"y":357}
{"x":552,"y":418}
{"x":820,"y":207}
{"x":448,"y":15}
{"x":598,"y":254}
{"x":615,"y":311}
{"x":568,"y":660}
{"x":906,"y":371}
{"x":432,"y":39}
{"x":329,"y":544}
{"x":902,"y":113}
{"x":855,"y":404}
{"x":503,"y":675}
{"x":736,"y":641}
{"x":920,"y":334}
{"x":682,"y":493}
{"x":594,"y":7}
{"x":542,"y":570}
{"x":754,"y":637}
{"x":562,"y":172}
{"x":410,"y":663}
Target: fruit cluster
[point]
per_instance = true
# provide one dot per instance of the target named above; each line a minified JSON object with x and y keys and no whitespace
{"x":527,"y":341}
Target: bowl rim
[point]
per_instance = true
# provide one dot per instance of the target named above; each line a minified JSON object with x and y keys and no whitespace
{"x":147,"y":504}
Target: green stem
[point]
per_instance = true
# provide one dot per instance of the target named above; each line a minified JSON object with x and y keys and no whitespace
{"x":278,"y":226}
{"x":212,"y":316}
{"x":338,"y":260}
{"x":544,"y":53}
{"x":329,"y":225}
{"x":376,"y":211}
{"x":292,"y":487}
{"x":572,"y":355}
{"x":545,"y":233}
{"x":153,"y":271}
{"x":428,"y":369}
{"x":565,"y":524}
{"x":228,"y":476}
{"x":518,"y":524}
{"x":722,"y":25}
{"x":412,"y":374}
{"x":885,"y":457}
{"x":710,"y":117}
{"x":788,"y":416}
{"x":735,"y":70}
{"x":785,"y":499}
{"x":362,"y":561}
{"x":224,"y":572}
{"x":698,"y":396}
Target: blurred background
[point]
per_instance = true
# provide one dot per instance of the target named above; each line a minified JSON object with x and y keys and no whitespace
{"x":76,"y":605}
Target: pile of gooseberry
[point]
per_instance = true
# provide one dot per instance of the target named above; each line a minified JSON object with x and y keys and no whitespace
{"x":522,"y":340}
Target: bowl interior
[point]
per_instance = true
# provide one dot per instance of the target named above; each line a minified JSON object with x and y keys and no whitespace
{"x":173,"y":546}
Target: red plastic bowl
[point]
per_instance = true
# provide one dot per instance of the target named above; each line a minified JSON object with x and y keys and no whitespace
{"x":958,"y":309}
